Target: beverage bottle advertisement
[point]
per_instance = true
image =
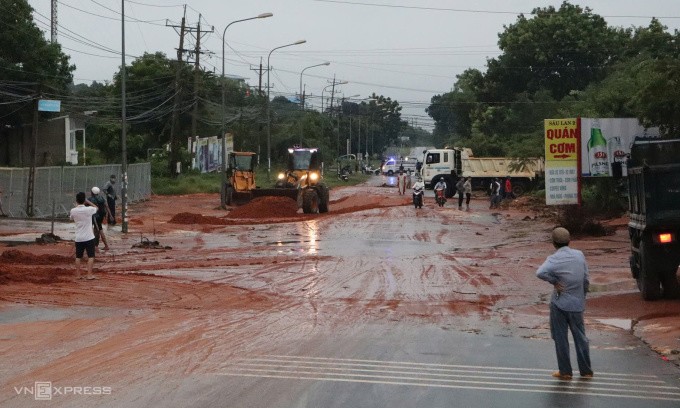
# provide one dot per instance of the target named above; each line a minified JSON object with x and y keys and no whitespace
{"x":598,"y":158}
{"x":607,"y":140}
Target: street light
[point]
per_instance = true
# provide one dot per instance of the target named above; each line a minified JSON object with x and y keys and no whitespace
{"x":223,"y":200}
{"x":302,"y":99}
{"x":269,"y":121}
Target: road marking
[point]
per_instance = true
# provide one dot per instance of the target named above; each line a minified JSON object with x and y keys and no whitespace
{"x":636,"y":377}
{"x":516,"y":379}
{"x":467,"y":387}
{"x":451,"y":374}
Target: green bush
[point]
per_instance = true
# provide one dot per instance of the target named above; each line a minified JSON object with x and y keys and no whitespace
{"x":604,"y":196}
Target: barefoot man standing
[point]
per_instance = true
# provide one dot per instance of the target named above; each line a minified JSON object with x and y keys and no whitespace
{"x":82,"y":215}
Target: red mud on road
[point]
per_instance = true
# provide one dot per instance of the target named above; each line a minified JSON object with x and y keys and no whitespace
{"x":228,"y":286}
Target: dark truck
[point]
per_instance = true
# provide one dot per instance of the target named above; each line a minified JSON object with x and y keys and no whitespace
{"x":654,"y":226}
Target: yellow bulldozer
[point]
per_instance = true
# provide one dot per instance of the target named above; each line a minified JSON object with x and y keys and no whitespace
{"x":302,"y":180}
{"x":240,"y":177}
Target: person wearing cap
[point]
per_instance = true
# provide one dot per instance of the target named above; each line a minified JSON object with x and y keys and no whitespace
{"x":98,"y":218}
{"x":567,"y":271}
{"x":111,"y":197}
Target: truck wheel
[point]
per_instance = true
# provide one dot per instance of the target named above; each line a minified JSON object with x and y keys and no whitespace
{"x":324,"y":198}
{"x":310,"y":202}
{"x":229,"y":195}
{"x":648,"y":280}
{"x":518,"y":189}
{"x":634,"y":266}
{"x":669,"y":281}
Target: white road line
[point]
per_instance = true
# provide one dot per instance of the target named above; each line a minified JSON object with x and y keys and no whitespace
{"x":451,"y":367}
{"x":424,"y":374}
{"x":561,"y":384}
{"x":469,"y":387}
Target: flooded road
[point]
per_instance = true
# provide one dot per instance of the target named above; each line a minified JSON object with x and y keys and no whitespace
{"x":373,"y":304}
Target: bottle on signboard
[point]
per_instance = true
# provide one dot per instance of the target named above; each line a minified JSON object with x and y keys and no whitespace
{"x":617,"y":155}
{"x":597,"y":151}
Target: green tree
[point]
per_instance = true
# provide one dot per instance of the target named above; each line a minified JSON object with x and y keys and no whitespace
{"x":454,"y":112}
{"x":559,"y":50}
{"x":28,"y":63}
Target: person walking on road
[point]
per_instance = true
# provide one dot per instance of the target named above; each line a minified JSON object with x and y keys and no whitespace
{"x":468,"y":192}
{"x":460,"y":189}
{"x":401,"y":182}
{"x":508,"y":189}
{"x":82,"y":215}
{"x":111,"y":198}
{"x":567,"y":271}
{"x":98,"y":218}
{"x":494,"y":188}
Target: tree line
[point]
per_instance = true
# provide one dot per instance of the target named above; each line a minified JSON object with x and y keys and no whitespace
{"x":162,"y":93}
{"x":561,"y":62}
{"x":555,"y":62}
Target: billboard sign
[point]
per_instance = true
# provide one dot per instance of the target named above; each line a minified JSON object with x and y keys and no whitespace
{"x":606,"y":142}
{"x":49,"y":105}
{"x":562,"y":142}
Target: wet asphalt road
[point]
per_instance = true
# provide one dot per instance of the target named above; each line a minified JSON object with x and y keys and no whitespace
{"x":397,"y":366}
{"x":396,"y":363}
{"x":356,"y":359}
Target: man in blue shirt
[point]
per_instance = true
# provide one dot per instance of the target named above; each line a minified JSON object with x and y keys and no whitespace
{"x":567,"y":271}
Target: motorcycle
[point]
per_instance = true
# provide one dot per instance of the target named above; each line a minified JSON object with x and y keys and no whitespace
{"x":440,"y":197}
{"x":343,"y":175}
{"x":418,"y":191}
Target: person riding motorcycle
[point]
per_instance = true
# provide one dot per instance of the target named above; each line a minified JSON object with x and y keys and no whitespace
{"x":440,"y":191}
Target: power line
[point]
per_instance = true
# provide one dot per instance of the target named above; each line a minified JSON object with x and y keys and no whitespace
{"x":152,"y":22}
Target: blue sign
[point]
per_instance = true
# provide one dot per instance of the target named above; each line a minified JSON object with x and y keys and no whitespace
{"x":49,"y":105}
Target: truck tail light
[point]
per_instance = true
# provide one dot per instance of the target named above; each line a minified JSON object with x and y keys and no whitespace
{"x":664,"y":238}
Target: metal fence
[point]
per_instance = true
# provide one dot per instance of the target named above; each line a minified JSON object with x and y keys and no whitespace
{"x":56,"y":187}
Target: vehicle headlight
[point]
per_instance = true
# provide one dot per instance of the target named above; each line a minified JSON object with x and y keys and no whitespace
{"x":281,"y":176}
{"x":314,"y":176}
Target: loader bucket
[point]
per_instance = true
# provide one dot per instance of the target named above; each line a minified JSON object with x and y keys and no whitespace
{"x":276,"y":192}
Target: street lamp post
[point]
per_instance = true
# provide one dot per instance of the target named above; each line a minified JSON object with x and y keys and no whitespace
{"x":223,"y":200}
{"x":269,"y":122}
{"x":302,"y":98}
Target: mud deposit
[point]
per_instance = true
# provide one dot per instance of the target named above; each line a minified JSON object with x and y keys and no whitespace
{"x":262,"y":277}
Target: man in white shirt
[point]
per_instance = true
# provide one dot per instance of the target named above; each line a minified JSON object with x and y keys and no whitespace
{"x":82,"y":215}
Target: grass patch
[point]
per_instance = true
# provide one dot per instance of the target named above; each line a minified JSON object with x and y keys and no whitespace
{"x":190,"y":183}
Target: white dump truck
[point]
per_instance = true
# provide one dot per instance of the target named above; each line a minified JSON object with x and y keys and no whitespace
{"x":456,"y":162}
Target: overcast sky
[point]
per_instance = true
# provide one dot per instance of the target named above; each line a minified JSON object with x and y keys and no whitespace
{"x":408,"y":50}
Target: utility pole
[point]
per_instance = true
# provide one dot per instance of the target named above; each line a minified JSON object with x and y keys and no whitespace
{"x":260,"y":71}
{"x":53,"y":22}
{"x":332,"y":94}
{"x":34,"y":158}
{"x":174,"y":124}
{"x":197,"y":73}
{"x":123,"y":128}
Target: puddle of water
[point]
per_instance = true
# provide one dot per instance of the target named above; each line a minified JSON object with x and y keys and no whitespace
{"x":625,"y":324}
